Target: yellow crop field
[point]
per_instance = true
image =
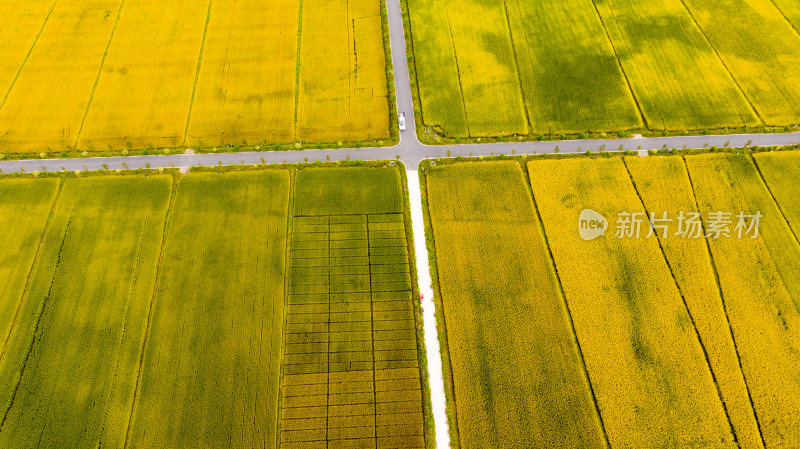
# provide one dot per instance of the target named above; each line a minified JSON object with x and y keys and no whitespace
{"x":151,"y":310}
{"x":664,"y":186}
{"x":518,"y":377}
{"x":781,"y":171}
{"x":763,"y":63}
{"x":24,"y":208}
{"x":760,"y":282}
{"x":141,"y":75}
{"x":341,"y":72}
{"x":133,"y":102}
{"x":20,"y":24}
{"x":625,"y":305}
{"x":245,"y":87}
{"x":791,"y":10}
{"x":30,"y":121}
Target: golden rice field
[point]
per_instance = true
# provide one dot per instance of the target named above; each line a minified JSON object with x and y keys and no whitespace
{"x":186,"y":310}
{"x":656,"y":341}
{"x":517,"y":68}
{"x":115,"y":75}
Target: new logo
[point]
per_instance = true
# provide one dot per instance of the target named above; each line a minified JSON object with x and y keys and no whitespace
{"x":591,"y":224}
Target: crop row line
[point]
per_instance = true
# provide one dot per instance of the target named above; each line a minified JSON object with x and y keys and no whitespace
{"x":775,"y":200}
{"x":328,"y":382}
{"x":354,"y":403}
{"x":353,"y":439}
{"x":380,"y":426}
{"x":627,"y":82}
{"x":785,"y":17}
{"x":197,"y":71}
{"x":371,"y":320}
{"x":328,"y":362}
{"x":355,"y":392}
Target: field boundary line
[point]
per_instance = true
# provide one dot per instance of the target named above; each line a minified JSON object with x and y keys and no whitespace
{"x":99,"y":74}
{"x":527,"y":178}
{"x":167,"y":220}
{"x":34,"y":266}
{"x":621,"y":67}
{"x":42,"y":308}
{"x":785,"y":17}
{"x":28,"y":55}
{"x":516,"y":67}
{"x":328,"y":342}
{"x":686,"y":307}
{"x":298,"y":43}
{"x":458,"y":67}
{"x":724,"y":304}
{"x":775,"y":200}
{"x":372,"y":342}
{"x":197,"y":71}
{"x":724,"y":64}
{"x":287,"y":254}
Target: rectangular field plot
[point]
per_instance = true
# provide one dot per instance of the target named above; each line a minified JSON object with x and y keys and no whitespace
{"x":625,"y":305}
{"x":140,"y":75}
{"x":764,"y":63}
{"x":73,"y":356}
{"x":24,"y":209}
{"x":760,"y":282}
{"x":505,"y":315}
{"x":341,"y":72}
{"x":212,"y":359}
{"x":351,"y":374}
{"x":554,"y":66}
{"x":21,"y":23}
{"x":45,"y":109}
{"x":664,"y":186}
{"x":245,"y":87}
{"x":344,"y":191}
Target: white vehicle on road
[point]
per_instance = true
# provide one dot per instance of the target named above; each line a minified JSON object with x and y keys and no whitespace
{"x":402,"y":121}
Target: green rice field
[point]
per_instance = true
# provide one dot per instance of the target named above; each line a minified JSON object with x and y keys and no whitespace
{"x":553,"y":67}
{"x":240,"y":309}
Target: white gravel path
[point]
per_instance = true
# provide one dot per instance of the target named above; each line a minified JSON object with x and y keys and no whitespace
{"x":435,"y":379}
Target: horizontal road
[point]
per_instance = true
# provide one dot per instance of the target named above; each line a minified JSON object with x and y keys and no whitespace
{"x":410,"y":151}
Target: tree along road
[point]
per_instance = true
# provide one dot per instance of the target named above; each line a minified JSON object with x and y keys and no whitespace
{"x":410,"y":151}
